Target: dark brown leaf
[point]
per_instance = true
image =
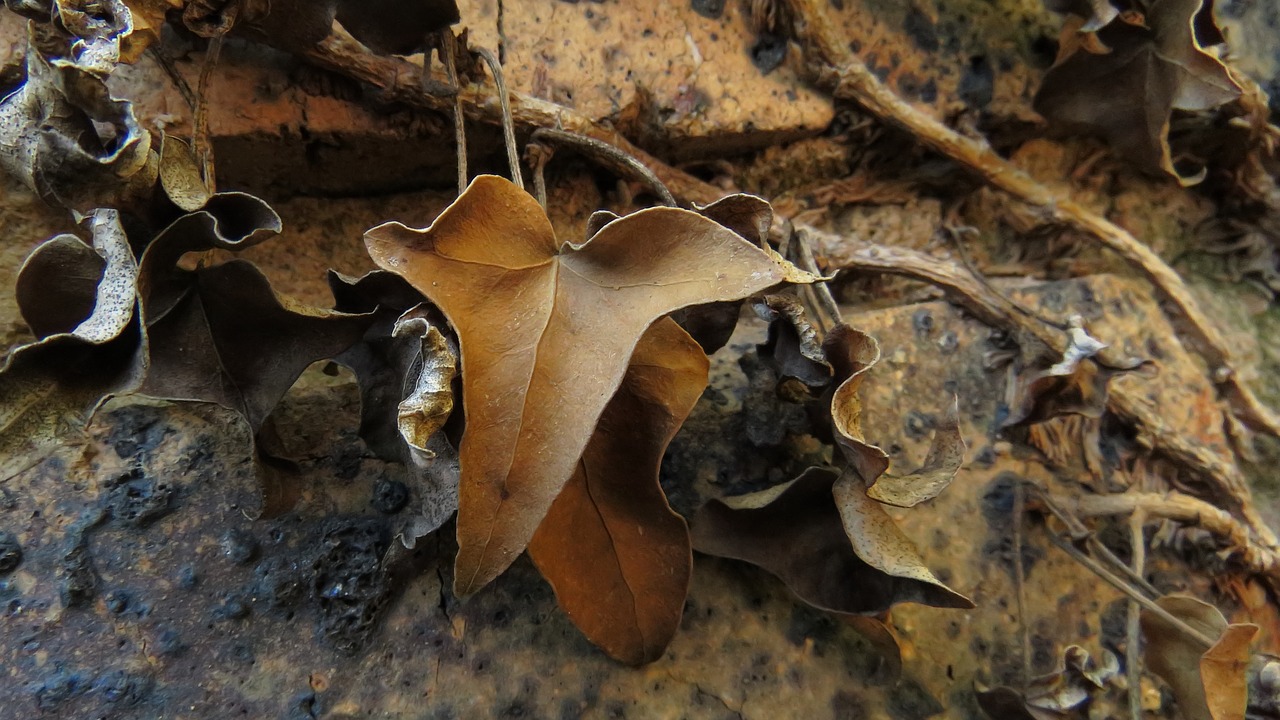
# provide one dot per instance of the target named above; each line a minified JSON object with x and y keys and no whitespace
{"x":616,"y":554}
{"x":1127,"y":94}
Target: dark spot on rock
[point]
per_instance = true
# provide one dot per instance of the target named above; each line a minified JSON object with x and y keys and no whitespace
{"x":1114,"y":622}
{"x":977,"y":83}
{"x":997,"y":501}
{"x":917,"y":425}
{"x":239,"y":546}
{"x":138,"y":499}
{"x":79,"y":577}
{"x":349,"y":583}
{"x":232,"y":608}
{"x":60,"y":686}
{"x":847,"y":706}
{"x":922,"y":322}
{"x":909,"y":700}
{"x":120,"y":687}
{"x":10,"y":552}
{"x":768,"y":52}
{"x":117,"y":602}
{"x":921,"y":29}
{"x":169,"y":642}
{"x":708,"y":8}
{"x":303,"y":706}
{"x":279,"y":582}
{"x":136,"y":430}
{"x":985,"y":457}
{"x":949,"y":342}
{"x":389,"y":496}
{"x":188,"y":579}
{"x":808,"y":624}
{"x":929,"y":91}
{"x":243,"y":653}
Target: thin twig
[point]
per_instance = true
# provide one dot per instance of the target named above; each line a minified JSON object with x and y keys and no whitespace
{"x":200,"y":134}
{"x":615,"y":158}
{"x":401,"y":82}
{"x":448,"y":46}
{"x":1124,"y":587}
{"x":538,"y":155}
{"x":508,"y":124}
{"x":1132,"y":651}
{"x":835,"y":66}
{"x":179,"y":82}
{"x":1192,"y":511}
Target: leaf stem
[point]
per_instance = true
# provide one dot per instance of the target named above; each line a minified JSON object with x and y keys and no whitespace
{"x":508,"y":124}
{"x":614,"y":157}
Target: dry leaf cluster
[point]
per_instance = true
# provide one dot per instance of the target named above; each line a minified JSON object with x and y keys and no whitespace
{"x":532,"y":384}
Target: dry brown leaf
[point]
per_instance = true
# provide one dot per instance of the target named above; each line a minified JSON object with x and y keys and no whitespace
{"x":221,"y":334}
{"x":875,"y":537}
{"x":795,"y":531}
{"x":946,"y":456}
{"x":546,"y":330}
{"x":1127,"y":95}
{"x":180,"y":175}
{"x":67,"y":138}
{"x":792,"y":348}
{"x":616,"y":554}
{"x":1208,"y":683}
{"x":81,"y":302}
{"x":403,"y":351}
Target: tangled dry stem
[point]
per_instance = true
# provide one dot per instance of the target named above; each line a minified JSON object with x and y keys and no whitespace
{"x":835,"y":67}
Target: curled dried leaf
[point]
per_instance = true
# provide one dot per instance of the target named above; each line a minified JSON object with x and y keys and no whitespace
{"x":546,"y":329}
{"x":1127,"y":95}
{"x":1077,"y":682}
{"x":67,"y":138}
{"x":180,"y":175}
{"x":797,"y":532}
{"x":1074,"y":384}
{"x":946,"y":456}
{"x":793,"y":348}
{"x":90,"y":342}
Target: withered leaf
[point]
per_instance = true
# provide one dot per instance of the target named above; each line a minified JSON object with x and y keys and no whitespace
{"x":1074,"y":384}
{"x":1127,"y":94}
{"x":1209,"y":683}
{"x":792,"y":348}
{"x":546,"y":330}
{"x":796,"y":532}
{"x":946,"y":456}
{"x":616,"y":554}
{"x":90,"y":345}
{"x":404,"y":355}
{"x":874,"y":536}
{"x":180,"y":175}
{"x":66,"y":137}
{"x":712,"y":324}
{"x":1076,"y":682}
{"x":221,"y":334}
